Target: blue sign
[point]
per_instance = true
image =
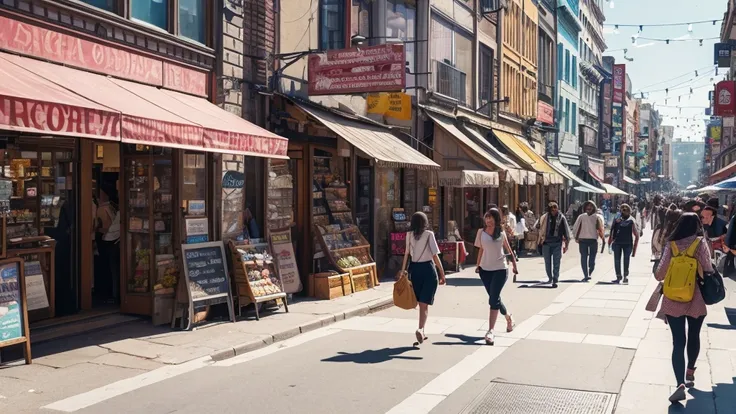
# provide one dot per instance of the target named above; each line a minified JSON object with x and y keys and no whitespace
{"x":199,"y":238}
{"x":722,"y":55}
{"x":10,"y":298}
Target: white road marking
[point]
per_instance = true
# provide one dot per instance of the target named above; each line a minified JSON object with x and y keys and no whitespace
{"x":98,"y":395}
{"x":432,"y":394}
{"x":121,"y":387}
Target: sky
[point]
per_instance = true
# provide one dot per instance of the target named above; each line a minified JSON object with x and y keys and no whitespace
{"x":657,"y":66}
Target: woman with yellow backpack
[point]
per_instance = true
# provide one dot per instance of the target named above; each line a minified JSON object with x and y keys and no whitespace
{"x":685,"y":257}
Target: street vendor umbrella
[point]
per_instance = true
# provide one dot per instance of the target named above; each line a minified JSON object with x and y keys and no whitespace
{"x":725,"y":185}
{"x":691,"y":187}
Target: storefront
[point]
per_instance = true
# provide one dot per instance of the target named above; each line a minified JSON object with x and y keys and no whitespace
{"x":548,"y":180}
{"x":139,"y":147}
{"x":357,"y":183}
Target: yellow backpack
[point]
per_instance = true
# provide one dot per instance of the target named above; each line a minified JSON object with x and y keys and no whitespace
{"x":682,"y":273}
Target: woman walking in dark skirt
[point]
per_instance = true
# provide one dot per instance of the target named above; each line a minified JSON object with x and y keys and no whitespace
{"x":422,"y":246}
{"x":491,"y":242}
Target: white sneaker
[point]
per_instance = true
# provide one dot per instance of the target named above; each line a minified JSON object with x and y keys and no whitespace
{"x":489,"y":337}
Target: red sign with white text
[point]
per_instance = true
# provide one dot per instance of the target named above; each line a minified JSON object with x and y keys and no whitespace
{"x":186,"y":80}
{"x":357,"y":70}
{"x":31,"y":115}
{"x":545,"y":113}
{"x":229,"y":142}
{"x":619,"y":83}
{"x":31,"y":40}
{"x":725,"y":100}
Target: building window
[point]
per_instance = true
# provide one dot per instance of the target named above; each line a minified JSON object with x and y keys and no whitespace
{"x":360,"y":18}
{"x":108,"y":5}
{"x":567,"y":66}
{"x":574,"y":72}
{"x":485,"y":84}
{"x":191,"y":19}
{"x":574,"y":126}
{"x":401,"y":20}
{"x":560,"y":64}
{"x":452,"y":56}
{"x":332,"y":24}
{"x":154,"y":12}
{"x":567,"y":115}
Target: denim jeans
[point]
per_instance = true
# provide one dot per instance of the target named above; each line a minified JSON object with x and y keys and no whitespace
{"x":625,"y":251}
{"x":588,"y":252}
{"x":552,"y":253}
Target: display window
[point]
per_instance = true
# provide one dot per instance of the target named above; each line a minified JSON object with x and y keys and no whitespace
{"x":388,"y":197}
{"x":242,"y":198}
{"x":280,"y":208}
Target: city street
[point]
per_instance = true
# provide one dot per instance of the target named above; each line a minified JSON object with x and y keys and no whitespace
{"x":584,"y":346}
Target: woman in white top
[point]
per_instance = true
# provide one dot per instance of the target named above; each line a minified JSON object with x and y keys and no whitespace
{"x":422,"y":246}
{"x":492,"y":241}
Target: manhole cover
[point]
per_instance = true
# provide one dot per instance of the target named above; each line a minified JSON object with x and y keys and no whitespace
{"x":503,"y":398}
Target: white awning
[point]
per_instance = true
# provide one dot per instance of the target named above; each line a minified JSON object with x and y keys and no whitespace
{"x":613,"y":190}
{"x":468,"y":178}
{"x":582,"y":186}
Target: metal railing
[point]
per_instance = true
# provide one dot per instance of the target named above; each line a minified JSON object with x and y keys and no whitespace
{"x":450,"y":81}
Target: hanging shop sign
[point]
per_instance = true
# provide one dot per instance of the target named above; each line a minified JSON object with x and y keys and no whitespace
{"x":617,"y":125}
{"x":619,"y":83}
{"x":197,"y":230}
{"x":725,"y":103}
{"x":596,"y":168}
{"x":605,"y":141}
{"x":233,"y":180}
{"x":395,"y":105}
{"x":545,"y":113}
{"x":588,"y":135}
{"x":358,"y":70}
{"x":722,"y":55}
{"x":13,"y":306}
{"x":398,"y":243}
{"x":283,"y":251}
{"x":32,"y":40}
{"x":206,"y":276}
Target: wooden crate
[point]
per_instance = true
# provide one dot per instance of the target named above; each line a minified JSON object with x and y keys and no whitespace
{"x":362,"y":282}
{"x":331,"y":285}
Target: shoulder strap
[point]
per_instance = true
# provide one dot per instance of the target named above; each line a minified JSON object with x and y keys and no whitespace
{"x":693,"y":247}
{"x":675,"y":250}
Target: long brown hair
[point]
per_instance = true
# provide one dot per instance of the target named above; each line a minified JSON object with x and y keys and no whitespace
{"x":497,"y":229}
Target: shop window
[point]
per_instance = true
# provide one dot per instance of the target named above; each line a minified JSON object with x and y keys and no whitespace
{"x":154,"y":12}
{"x":194,"y":189}
{"x":192,"y":19}
{"x":280,"y":213}
{"x":388,"y":197}
{"x":108,"y":5}
{"x":332,"y":24}
{"x":242,"y":198}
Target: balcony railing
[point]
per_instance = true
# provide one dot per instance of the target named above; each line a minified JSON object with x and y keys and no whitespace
{"x":450,"y":81}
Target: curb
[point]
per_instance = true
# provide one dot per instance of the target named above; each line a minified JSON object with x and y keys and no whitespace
{"x":321,"y":321}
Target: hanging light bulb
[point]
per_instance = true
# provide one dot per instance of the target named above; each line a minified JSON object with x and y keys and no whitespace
{"x":696,"y":73}
{"x":668,"y":41}
{"x":690,"y":28}
{"x":615,"y":30}
{"x":633,"y":40}
{"x":641,"y":28}
{"x":611,"y":4}
{"x":701,"y":42}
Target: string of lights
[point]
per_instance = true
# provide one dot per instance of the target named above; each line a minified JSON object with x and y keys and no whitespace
{"x":696,"y":71}
{"x":642,"y":26}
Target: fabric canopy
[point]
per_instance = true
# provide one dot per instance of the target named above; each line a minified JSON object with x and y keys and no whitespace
{"x":477,"y":149}
{"x":581,"y":185}
{"x":613,"y":190}
{"x":723,"y":173}
{"x":376,"y":141}
{"x":630,"y":180}
{"x":140,"y":114}
{"x":526,"y":154}
{"x":468,"y":178}
{"x":31,"y":103}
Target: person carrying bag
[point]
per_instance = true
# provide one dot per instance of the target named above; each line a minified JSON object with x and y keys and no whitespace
{"x":425,"y":263}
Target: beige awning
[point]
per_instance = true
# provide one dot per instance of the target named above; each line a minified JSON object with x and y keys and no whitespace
{"x":477,"y":147}
{"x":375,"y":141}
{"x":468,"y":178}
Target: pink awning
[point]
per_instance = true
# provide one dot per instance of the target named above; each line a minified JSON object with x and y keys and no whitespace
{"x":142,"y":122}
{"x":133,"y":112}
{"x":30,"y":103}
{"x":222,"y":131}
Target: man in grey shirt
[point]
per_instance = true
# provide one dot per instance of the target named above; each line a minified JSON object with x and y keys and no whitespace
{"x":588,"y":229}
{"x":554,"y":238}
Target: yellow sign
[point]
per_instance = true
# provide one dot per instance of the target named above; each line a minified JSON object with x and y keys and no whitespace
{"x":393,"y":105}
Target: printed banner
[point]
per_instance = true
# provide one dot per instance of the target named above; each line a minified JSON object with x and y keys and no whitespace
{"x":283,"y":251}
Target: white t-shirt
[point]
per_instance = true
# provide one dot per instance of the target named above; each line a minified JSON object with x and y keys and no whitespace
{"x":493,"y":255}
{"x":424,"y":249}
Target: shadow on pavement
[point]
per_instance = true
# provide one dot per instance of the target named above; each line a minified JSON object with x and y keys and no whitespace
{"x":463,"y":340}
{"x":531,"y":282}
{"x":374,"y":356}
{"x":572,"y":281}
{"x":464,"y":281}
{"x":731,"y":315}
{"x":723,"y":397}
{"x":537,"y":285}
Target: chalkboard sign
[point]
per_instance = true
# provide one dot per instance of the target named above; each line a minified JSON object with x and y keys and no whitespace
{"x":13,"y":309}
{"x":206,"y":276}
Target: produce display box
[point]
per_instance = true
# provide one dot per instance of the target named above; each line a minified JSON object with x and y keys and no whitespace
{"x":329,"y":285}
